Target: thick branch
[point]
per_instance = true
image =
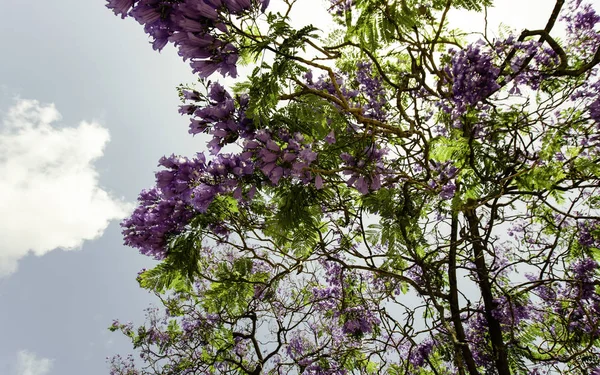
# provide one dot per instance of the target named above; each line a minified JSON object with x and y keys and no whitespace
{"x":461,"y":346}
{"x":494,"y":329}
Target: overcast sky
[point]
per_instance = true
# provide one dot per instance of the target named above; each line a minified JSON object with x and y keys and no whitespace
{"x":86,"y":110}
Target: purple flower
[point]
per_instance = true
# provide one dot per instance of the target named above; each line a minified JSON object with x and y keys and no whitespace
{"x":191,"y":95}
{"x":373,"y":91}
{"x":187,"y":109}
{"x":308,"y":155}
{"x":146,"y":11}
{"x":202,"y":196}
{"x":264,"y":5}
{"x":584,"y":272}
{"x":473,"y":77}
{"x":120,"y":7}
{"x":205,"y":10}
{"x":204,"y":68}
{"x":318,"y":182}
{"x":361,"y":185}
{"x":359,"y":321}
{"x":330,"y":138}
{"x":587,"y":233}
{"x":594,"y":109}
{"x":418,"y":357}
{"x":448,"y":191}
{"x":154,"y":221}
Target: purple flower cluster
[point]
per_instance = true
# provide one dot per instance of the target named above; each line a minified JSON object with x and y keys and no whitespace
{"x":197,"y":183}
{"x":372,"y":88}
{"x":184,"y":188}
{"x":477,"y":333}
{"x":196,"y":27}
{"x":221,"y":118}
{"x":582,"y":31}
{"x":532,"y":52}
{"x":296,"y":348}
{"x":365,"y":170}
{"x":574,"y":302}
{"x":324,"y":83}
{"x":120,"y":365}
{"x":584,"y":273}
{"x":444,"y":179}
{"x":510,"y":313}
{"x":358,"y":321}
{"x":153,"y":221}
{"x":282,"y":156}
{"x":418,"y":357}
{"x":588,"y":233}
{"x":473,"y":76}
{"x":584,"y":312}
{"x":303,"y":352}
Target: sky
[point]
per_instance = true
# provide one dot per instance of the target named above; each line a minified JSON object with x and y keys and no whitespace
{"x":86,"y":110}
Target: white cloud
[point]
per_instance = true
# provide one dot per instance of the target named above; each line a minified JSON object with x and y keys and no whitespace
{"x":29,"y":364}
{"x":49,"y":193}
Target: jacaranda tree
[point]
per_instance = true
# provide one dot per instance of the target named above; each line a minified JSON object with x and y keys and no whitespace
{"x":397,"y":197}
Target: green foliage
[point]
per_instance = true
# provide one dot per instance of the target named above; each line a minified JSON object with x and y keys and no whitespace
{"x":413,"y":226}
{"x":165,"y":276}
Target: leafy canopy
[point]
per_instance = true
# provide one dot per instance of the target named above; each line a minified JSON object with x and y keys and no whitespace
{"x":395,"y":197}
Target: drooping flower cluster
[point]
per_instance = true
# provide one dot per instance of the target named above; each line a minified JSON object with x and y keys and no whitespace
{"x":221,"y":118}
{"x":582,"y":28}
{"x":290,"y":157}
{"x":355,"y":321}
{"x":588,"y":233}
{"x":196,"y":27}
{"x":365,"y":170}
{"x":277,"y":156}
{"x":302,"y":351}
{"x":120,"y":365}
{"x":359,"y":321}
{"x":582,"y":310}
{"x":474,"y":77}
{"x":184,"y":188}
{"x":324,"y":83}
{"x":529,"y":63}
{"x":444,"y":180}
{"x":510,"y":313}
{"x":372,"y":89}
{"x":153,"y":221}
{"x":573,"y":303}
{"x":584,"y":272}
{"x":416,"y":354}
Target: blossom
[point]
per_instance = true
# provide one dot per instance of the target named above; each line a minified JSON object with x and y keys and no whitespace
{"x":473,"y":75}
{"x":194,"y":26}
{"x":359,"y":321}
{"x":330,"y":138}
{"x":154,"y":221}
{"x":120,"y":7}
{"x":372,"y":89}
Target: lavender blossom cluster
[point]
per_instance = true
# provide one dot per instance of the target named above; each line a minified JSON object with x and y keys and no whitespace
{"x":473,"y":76}
{"x":365,"y":170}
{"x":582,"y":28}
{"x":224,"y":118}
{"x":372,"y":89}
{"x":197,"y":27}
{"x":186,"y":187}
{"x":444,"y":180}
